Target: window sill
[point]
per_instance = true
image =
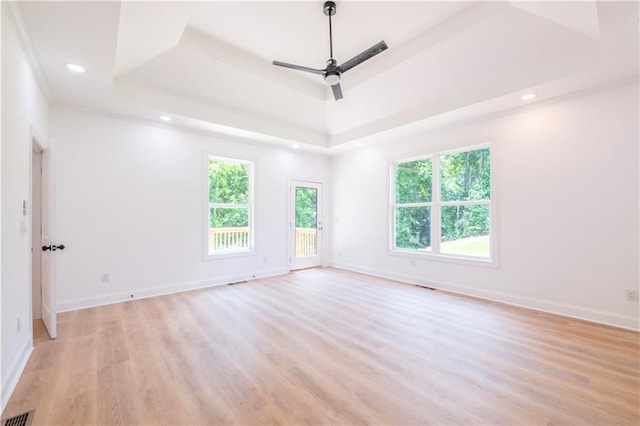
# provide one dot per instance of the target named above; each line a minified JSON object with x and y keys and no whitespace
{"x":228,"y":254}
{"x":447,"y":258}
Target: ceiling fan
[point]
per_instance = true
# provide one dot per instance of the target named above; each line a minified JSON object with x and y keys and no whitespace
{"x":333,"y":71}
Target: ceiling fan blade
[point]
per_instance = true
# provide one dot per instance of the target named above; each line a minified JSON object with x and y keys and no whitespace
{"x":337,"y":91}
{"x":361,"y":57}
{"x":298,"y":67}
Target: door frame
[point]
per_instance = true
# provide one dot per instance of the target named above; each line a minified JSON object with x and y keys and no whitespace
{"x":291,"y":183}
{"x":35,"y":224}
{"x":37,"y":148}
{"x":48,"y":233}
{"x":38,"y":145}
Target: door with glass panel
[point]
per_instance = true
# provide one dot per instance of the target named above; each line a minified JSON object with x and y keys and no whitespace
{"x":305,"y":224}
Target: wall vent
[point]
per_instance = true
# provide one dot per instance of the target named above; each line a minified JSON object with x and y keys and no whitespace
{"x":24,"y":419}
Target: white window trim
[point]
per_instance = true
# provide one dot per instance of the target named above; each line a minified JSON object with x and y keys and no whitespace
{"x":250,"y":251}
{"x":435,"y":204}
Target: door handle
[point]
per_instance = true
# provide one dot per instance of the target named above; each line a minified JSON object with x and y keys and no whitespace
{"x":53,"y":247}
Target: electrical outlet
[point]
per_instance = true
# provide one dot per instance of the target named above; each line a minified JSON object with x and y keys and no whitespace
{"x":413,"y":263}
{"x":104,"y":277}
{"x":18,"y":324}
{"x":631,"y":295}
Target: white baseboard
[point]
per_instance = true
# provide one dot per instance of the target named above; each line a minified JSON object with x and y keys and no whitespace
{"x":135,"y":294}
{"x":15,"y":372}
{"x":573,"y":311}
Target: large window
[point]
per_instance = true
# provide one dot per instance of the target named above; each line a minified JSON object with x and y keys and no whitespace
{"x":230,"y":205}
{"x":441,"y":204}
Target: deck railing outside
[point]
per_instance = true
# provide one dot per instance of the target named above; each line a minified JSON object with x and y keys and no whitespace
{"x":228,"y":238}
{"x":238,"y":238}
{"x":305,"y":242}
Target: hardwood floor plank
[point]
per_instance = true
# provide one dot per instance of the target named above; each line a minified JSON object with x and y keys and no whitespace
{"x":328,"y":347}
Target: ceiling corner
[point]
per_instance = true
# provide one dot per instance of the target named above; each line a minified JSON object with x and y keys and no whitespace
{"x":147,"y":29}
{"x":580,"y":16}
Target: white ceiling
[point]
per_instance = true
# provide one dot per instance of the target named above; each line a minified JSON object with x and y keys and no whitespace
{"x":208,"y":64}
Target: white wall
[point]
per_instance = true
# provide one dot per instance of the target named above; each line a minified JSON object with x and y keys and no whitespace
{"x":130,"y":203}
{"x":566,"y":189}
{"x":23,"y":109}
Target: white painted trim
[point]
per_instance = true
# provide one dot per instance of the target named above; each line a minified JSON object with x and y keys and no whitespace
{"x":36,"y":143}
{"x":12,"y":10}
{"x":435,"y":254}
{"x":441,"y":257}
{"x":563,"y":309}
{"x":291,"y":219}
{"x":16,"y":371}
{"x":123,"y":296}
{"x":251,"y":250}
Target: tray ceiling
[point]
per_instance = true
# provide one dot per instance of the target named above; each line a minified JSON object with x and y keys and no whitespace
{"x":208,"y":64}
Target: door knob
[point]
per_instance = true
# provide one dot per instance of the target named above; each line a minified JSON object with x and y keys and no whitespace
{"x":53,"y":247}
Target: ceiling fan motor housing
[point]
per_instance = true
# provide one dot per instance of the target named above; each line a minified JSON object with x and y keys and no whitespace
{"x":332,"y":75}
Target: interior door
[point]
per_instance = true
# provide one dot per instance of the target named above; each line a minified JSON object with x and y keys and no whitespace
{"x":48,"y":240}
{"x":305,"y":224}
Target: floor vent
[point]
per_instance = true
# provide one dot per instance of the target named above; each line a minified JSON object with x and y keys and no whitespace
{"x":24,"y":419}
{"x":424,"y":286}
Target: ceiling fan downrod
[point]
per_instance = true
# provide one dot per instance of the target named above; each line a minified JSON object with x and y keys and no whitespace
{"x":332,"y":75}
{"x":329,"y":9}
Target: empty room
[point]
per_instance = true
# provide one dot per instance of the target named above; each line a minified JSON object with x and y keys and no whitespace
{"x":318,"y":212}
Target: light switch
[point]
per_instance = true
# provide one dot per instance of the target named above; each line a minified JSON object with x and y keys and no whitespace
{"x":23,"y":227}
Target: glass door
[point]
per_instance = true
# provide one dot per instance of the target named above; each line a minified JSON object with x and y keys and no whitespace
{"x":305,"y":225}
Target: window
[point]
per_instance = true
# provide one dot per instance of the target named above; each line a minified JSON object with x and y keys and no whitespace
{"x":230,"y":208}
{"x":413,"y":196}
{"x":441,"y":204}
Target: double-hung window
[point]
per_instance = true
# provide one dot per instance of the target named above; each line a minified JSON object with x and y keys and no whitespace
{"x":441,"y":204}
{"x":230,"y":208}
{"x":413,"y":204}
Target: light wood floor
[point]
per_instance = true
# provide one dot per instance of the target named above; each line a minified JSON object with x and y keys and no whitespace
{"x":328,"y":347}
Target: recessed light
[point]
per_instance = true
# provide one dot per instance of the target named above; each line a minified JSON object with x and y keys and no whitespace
{"x":75,"y":68}
{"x":528,"y":96}
{"x":165,"y":118}
{"x":359,"y":144}
{"x":295,"y":146}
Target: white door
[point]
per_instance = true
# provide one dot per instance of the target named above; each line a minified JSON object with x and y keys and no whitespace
{"x":49,"y":248}
{"x":305,"y":224}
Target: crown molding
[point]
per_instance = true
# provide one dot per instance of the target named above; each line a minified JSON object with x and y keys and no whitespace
{"x":15,"y":16}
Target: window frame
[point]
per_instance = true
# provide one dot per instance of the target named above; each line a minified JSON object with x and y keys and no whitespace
{"x":250,"y":250}
{"x":423,"y":204}
{"x":436,"y":204}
